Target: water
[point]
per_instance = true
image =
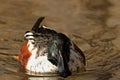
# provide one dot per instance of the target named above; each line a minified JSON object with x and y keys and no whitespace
{"x":92,"y":24}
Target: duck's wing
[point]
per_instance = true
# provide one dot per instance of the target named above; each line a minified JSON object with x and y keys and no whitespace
{"x":82,"y":56}
{"x":59,"y":52}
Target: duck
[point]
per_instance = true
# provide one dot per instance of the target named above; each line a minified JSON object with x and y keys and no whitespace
{"x":45,"y":50}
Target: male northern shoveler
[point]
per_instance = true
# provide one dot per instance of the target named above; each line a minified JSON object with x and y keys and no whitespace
{"x":47,"y":51}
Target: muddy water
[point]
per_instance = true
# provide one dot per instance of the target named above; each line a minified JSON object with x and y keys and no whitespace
{"x":92,"y":24}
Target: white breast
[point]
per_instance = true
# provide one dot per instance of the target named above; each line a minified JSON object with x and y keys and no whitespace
{"x":39,"y":64}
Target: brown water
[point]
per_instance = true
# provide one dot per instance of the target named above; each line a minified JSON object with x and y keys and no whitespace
{"x":94,"y":25}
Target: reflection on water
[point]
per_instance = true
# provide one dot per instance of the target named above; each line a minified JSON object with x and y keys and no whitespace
{"x":39,"y":76}
{"x":45,"y":78}
{"x":88,"y":75}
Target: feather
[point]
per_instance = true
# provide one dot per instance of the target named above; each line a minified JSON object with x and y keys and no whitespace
{"x":58,"y":53}
{"x":36,"y":25}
